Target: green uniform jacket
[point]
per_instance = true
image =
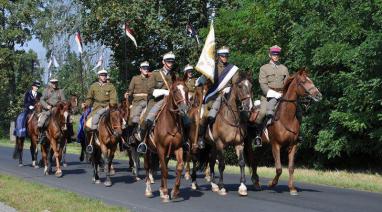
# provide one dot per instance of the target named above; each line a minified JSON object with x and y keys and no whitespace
{"x":273,"y":77}
{"x":191,"y":85}
{"x":51,"y":96}
{"x":139,"y":85}
{"x":100,"y":96}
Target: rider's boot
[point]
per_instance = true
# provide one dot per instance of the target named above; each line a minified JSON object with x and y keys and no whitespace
{"x":41,"y":136}
{"x":142,"y":147}
{"x":186,"y":134}
{"x":203,"y":130}
{"x":264,"y":124}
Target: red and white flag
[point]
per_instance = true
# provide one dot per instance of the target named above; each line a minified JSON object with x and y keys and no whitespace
{"x":79,"y":42}
{"x":129,"y":33}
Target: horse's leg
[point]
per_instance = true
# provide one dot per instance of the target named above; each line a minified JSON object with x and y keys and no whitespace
{"x":56,"y":156}
{"x":187,"y":175}
{"x":276,"y":157}
{"x":179,"y":170}
{"x":250,"y":156}
{"x":34,"y":151}
{"x":214,"y":186}
{"x":110,"y":157}
{"x":83,"y":147}
{"x":95,"y":157}
{"x":221,"y":165}
{"x":21,"y":148}
{"x":148,"y":191}
{"x":163,"y":187}
{"x":207,"y":174}
{"x":64,"y":164}
{"x":135,"y":159}
{"x":240,"y":154}
{"x":44,"y":156}
{"x":291,"y":154}
{"x":194,"y":184}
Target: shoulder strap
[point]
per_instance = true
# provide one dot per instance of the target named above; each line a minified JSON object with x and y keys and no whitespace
{"x":164,"y":79}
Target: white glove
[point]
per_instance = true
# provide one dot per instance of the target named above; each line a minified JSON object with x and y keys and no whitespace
{"x":31,"y":107}
{"x":257,"y":103}
{"x":200,"y":81}
{"x":273,"y":94}
{"x":227,"y":90}
{"x":160,"y":92}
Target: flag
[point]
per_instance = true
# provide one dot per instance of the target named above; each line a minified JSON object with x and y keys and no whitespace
{"x":191,"y":32}
{"x":99,"y":62}
{"x":206,"y":63}
{"x":129,"y":33}
{"x":79,"y":42}
{"x":55,"y":64}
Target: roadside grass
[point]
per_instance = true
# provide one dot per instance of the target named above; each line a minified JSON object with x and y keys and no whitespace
{"x":365,"y":180}
{"x":27,"y":196}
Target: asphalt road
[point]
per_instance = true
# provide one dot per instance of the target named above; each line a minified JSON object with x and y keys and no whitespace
{"x":128,"y":193}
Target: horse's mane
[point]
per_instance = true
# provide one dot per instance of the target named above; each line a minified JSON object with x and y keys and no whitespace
{"x":291,"y":78}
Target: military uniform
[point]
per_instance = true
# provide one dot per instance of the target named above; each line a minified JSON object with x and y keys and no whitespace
{"x":99,"y":96}
{"x":50,"y":97}
{"x":138,"y":89}
{"x":190,"y":82}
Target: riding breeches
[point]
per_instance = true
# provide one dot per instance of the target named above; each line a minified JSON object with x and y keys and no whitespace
{"x":43,"y":118}
{"x":154,"y":111}
{"x":136,"y":111}
{"x":215,"y":107}
{"x":95,"y":119}
{"x":271,"y":106}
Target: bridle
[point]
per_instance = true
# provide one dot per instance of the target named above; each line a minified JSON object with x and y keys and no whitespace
{"x":112,"y":127}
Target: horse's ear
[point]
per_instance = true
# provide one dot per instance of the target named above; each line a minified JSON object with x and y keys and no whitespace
{"x":184,"y":77}
{"x":173,"y":77}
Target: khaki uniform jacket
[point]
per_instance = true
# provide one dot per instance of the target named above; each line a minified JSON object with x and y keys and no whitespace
{"x":273,"y":77}
{"x":100,"y":96}
{"x":156,"y":81}
{"x":191,"y":85}
{"x":51,"y":96}
{"x":138,"y":86}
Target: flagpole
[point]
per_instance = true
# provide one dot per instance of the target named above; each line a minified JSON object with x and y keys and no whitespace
{"x":81,"y":78}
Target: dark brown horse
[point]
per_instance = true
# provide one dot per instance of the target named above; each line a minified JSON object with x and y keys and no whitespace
{"x":230,"y":128}
{"x":286,"y":128}
{"x":166,"y":138}
{"x":31,"y":125}
{"x":106,"y":142}
{"x":56,"y":136}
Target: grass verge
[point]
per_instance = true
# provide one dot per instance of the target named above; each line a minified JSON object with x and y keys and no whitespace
{"x":364,"y":180}
{"x":27,"y":196}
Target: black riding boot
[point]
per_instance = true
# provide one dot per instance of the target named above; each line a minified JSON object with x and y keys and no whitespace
{"x":202,"y":132}
{"x":186,"y":133}
{"x":89,"y":148}
{"x":142,"y":147}
{"x":264,"y":124}
{"x":41,"y":136}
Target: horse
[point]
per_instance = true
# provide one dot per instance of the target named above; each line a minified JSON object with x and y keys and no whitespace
{"x":56,"y":133}
{"x":166,"y":138}
{"x":32,"y":130}
{"x":106,"y":142}
{"x":229,"y":128}
{"x":285,"y":128}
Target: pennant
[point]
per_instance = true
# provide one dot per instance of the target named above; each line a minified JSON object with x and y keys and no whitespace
{"x":129,"y":33}
{"x":99,"y":62}
{"x":50,"y":63}
{"x":191,"y":32}
{"x":55,"y":63}
{"x":79,"y":42}
{"x":206,"y":63}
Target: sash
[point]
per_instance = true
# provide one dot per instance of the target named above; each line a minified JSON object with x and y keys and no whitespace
{"x":164,"y":79}
{"x":224,"y":78}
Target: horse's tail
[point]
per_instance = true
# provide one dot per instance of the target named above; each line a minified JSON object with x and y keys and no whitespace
{"x":249,"y":156}
{"x":16,"y":153}
{"x":154,"y":161}
{"x":203,"y":158}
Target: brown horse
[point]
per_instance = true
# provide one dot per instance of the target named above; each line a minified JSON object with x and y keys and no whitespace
{"x":230,"y":128}
{"x":56,"y":136}
{"x":166,"y":138}
{"x":106,"y":142}
{"x":32,"y":130}
{"x":286,"y":128}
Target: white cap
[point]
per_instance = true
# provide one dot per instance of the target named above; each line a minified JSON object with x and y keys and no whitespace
{"x":53,"y":80}
{"x":188,"y":67}
{"x":223,"y":50}
{"x":144,"y":64}
{"x":102,"y":71}
{"x":169,"y":56}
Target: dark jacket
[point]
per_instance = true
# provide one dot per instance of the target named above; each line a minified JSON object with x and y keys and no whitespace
{"x":29,"y":100}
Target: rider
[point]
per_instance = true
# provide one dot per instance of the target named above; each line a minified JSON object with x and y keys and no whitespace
{"x":50,"y":97}
{"x":160,"y":83}
{"x":190,"y":80}
{"x":100,"y":95}
{"x":223,"y":69}
{"x":272,"y":78}
{"x":32,"y":96}
{"x":138,"y":92}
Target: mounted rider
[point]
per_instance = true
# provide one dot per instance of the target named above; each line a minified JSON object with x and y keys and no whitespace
{"x":272,"y":78}
{"x":50,"y":97}
{"x":226,"y":75}
{"x":190,"y":80}
{"x":138,"y":92}
{"x":32,"y":96}
{"x":160,"y":83}
{"x":100,"y":95}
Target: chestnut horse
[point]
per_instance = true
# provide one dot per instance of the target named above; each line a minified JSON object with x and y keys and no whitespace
{"x":106,"y":142}
{"x":57,"y":132}
{"x":285,"y":128}
{"x":166,"y":138}
{"x":230,"y":128}
{"x":32,"y":130}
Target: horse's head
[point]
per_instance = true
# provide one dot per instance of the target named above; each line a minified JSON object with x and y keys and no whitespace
{"x":113,"y":116}
{"x":243,"y":90}
{"x":306,"y":87}
{"x":38,"y":107}
{"x":179,"y":95}
{"x":62,"y":113}
{"x":74,"y":103}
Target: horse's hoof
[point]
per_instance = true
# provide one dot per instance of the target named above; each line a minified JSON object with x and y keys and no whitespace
{"x":58,"y":174}
{"x":112,"y":172}
{"x":148,"y":194}
{"x":36,"y":166}
{"x":65,"y":165}
{"x":97,"y":182}
{"x":257,"y":187}
{"x":293,"y":192}
{"x":271,"y":184}
{"x":207,"y":178}
{"x":187,"y":176}
{"x":137,"y":179}
{"x":107,"y":183}
{"x":214,"y":187}
{"x":165,"y":198}
{"x":21,"y":165}
{"x":222,"y":192}
{"x":194,"y":186}
{"x":242,"y":190}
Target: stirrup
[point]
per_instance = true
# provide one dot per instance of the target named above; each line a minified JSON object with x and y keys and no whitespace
{"x":186,"y":147}
{"x":258,"y":141}
{"x":89,"y":149}
{"x":142,"y":148}
{"x":201,"y":144}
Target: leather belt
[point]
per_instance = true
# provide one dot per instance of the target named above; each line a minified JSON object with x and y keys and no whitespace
{"x":140,"y":95}
{"x":280,"y":90}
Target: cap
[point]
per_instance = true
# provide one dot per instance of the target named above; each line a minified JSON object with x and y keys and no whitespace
{"x":144,"y":64}
{"x":169,"y":56}
{"x":102,"y":71}
{"x":275,"y":50}
{"x":36,"y":83}
{"x":53,"y":80}
{"x":223,"y":51}
{"x":188,"y":68}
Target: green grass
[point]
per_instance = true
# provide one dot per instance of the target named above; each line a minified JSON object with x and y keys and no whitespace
{"x":27,"y":196}
{"x":364,"y":180}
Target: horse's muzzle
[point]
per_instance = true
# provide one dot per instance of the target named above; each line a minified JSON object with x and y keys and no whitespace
{"x":317,"y":97}
{"x":183,"y":108}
